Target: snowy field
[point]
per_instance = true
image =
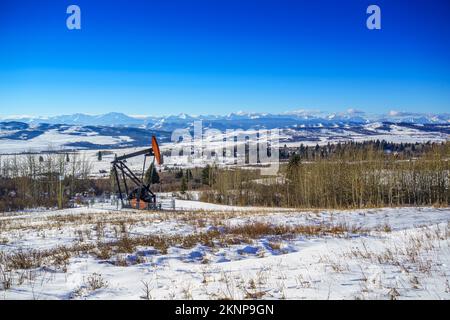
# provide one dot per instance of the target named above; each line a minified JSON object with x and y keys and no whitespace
{"x":55,"y":140}
{"x":203,"y":251}
{"x":63,"y":138}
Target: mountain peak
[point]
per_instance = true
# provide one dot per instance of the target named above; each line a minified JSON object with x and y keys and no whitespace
{"x":300,"y":116}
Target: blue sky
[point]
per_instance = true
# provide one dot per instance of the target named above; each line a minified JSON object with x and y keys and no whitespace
{"x":218,"y":56}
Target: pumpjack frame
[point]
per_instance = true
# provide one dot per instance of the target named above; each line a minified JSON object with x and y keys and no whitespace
{"x":140,"y":196}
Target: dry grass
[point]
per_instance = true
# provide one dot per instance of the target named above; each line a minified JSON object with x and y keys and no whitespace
{"x":124,"y":243}
{"x":259,"y":229}
{"x":415,"y":253}
{"x":90,"y":284}
{"x":95,"y":281}
{"x":214,"y":238}
{"x":98,"y":221}
{"x":275,"y":245}
{"x":32,"y":259}
{"x":146,"y":290}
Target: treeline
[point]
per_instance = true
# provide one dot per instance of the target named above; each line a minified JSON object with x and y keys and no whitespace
{"x":187,"y":179}
{"x":350,"y":175}
{"x":398,"y":150}
{"x":355,"y":178}
{"x":43,"y":180}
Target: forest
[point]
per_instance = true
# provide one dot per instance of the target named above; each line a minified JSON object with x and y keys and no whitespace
{"x":347,"y":175}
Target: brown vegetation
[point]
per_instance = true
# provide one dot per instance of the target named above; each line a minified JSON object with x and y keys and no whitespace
{"x":351,"y":179}
{"x":38,"y":180}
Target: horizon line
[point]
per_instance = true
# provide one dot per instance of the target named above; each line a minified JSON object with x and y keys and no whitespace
{"x":240,"y":112}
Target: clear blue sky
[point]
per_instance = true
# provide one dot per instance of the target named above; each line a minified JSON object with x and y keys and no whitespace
{"x":218,"y":56}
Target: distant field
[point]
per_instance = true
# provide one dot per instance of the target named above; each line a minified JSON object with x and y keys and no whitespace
{"x":18,"y":137}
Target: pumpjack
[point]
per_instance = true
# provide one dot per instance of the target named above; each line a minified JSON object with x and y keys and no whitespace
{"x":139,"y":195}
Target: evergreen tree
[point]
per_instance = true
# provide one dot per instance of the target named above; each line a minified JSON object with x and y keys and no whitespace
{"x":179,"y":174}
{"x":183,"y":185}
{"x":151,"y":175}
{"x":207,"y":175}
{"x":293,"y":165}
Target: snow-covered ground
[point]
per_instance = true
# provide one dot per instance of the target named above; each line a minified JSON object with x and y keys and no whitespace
{"x":204,"y":251}
{"x":55,"y":140}
{"x":63,"y":141}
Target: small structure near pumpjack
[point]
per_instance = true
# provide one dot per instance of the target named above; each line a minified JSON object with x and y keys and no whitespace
{"x":138,"y":195}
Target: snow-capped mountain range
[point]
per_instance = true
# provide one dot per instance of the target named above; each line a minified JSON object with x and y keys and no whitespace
{"x":236,"y":120}
{"x":117,"y":130}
